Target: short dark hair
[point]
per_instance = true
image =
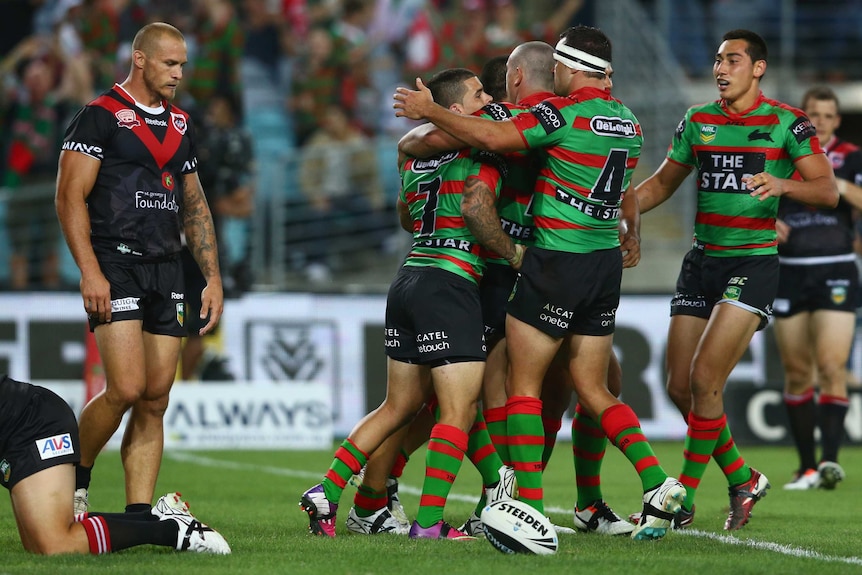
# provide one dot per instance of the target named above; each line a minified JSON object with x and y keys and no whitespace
{"x":756,"y":48}
{"x":447,"y":87}
{"x":592,"y":41}
{"x":493,"y":78}
{"x":823,"y":93}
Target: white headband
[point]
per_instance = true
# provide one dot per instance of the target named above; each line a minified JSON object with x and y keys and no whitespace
{"x":578,"y":59}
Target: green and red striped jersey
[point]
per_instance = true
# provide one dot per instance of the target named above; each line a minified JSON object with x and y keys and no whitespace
{"x":724,"y":147}
{"x":516,"y":194}
{"x":592,"y":143}
{"x":432,"y":189}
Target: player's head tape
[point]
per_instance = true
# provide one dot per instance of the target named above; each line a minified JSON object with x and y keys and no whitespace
{"x":578,"y":59}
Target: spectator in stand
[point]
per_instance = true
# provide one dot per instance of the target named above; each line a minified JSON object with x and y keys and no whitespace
{"x":318,"y":82}
{"x":215,"y":64}
{"x":340,"y":180}
{"x":99,"y":28}
{"x":507,"y":27}
{"x":31,"y":127}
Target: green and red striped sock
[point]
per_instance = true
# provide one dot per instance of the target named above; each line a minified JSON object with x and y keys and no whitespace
{"x":367,"y":501}
{"x":348,"y":460}
{"x":622,"y":427}
{"x":727,"y":455}
{"x":700,"y":442}
{"x":495,"y":420}
{"x":588,"y":450}
{"x":442,"y":461}
{"x":526,"y":438}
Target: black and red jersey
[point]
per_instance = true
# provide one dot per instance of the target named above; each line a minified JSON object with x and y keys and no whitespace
{"x":137,"y":199}
{"x":819,"y":232}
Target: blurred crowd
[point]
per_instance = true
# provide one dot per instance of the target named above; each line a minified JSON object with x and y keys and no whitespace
{"x":292,"y":99}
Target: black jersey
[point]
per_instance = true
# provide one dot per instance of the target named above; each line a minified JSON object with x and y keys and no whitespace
{"x":820,"y":232}
{"x":14,"y":399}
{"x":135,"y":205}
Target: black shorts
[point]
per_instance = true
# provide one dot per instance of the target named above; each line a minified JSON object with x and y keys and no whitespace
{"x":495,"y":290}
{"x":150,"y":291}
{"x":433,"y":317}
{"x":831,"y":286}
{"x":747,"y":281}
{"x":561,"y":293}
{"x":46,"y":435}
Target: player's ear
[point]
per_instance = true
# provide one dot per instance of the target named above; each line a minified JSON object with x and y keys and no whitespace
{"x":759,"y":69}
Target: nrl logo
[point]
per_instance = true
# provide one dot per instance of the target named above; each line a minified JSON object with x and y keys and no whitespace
{"x":127,"y":118}
{"x":707,"y":133}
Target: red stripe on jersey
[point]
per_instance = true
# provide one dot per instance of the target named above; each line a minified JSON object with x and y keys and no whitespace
{"x":742,"y":222}
{"x":461,"y":264}
{"x":162,"y":152}
{"x":716,"y":248}
{"x":543,"y":186}
{"x":488,"y":175}
{"x":556,"y":224}
{"x":721,"y":119}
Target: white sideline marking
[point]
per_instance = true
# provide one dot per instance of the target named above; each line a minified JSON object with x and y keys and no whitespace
{"x":186,"y":457}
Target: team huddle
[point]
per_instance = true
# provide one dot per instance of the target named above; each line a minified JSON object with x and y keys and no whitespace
{"x":552,"y":158}
{"x":520,"y":197}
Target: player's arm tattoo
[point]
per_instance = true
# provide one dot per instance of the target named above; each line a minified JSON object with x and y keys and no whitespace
{"x":478,"y":208}
{"x":199,"y":228}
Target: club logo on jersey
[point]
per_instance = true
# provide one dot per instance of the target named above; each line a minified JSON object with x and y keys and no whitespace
{"x":549,"y":116}
{"x":181,"y":313}
{"x":680,"y":128}
{"x":56,"y":446}
{"x":497,"y":111}
{"x":707,"y":133}
{"x":168,"y":181}
{"x":838,"y":295}
{"x":5,"y":470}
{"x":179,"y":122}
{"x":802,"y":129}
{"x":834,"y":157}
{"x":758,"y":135}
{"x":616,"y":127}
{"x":127,"y":118}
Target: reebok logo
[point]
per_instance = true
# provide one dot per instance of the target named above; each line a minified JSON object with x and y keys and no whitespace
{"x":161,"y":123}
{"x":758,"y":135}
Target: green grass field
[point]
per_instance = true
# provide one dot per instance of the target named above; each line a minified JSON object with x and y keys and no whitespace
{"x":252,"y":496}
